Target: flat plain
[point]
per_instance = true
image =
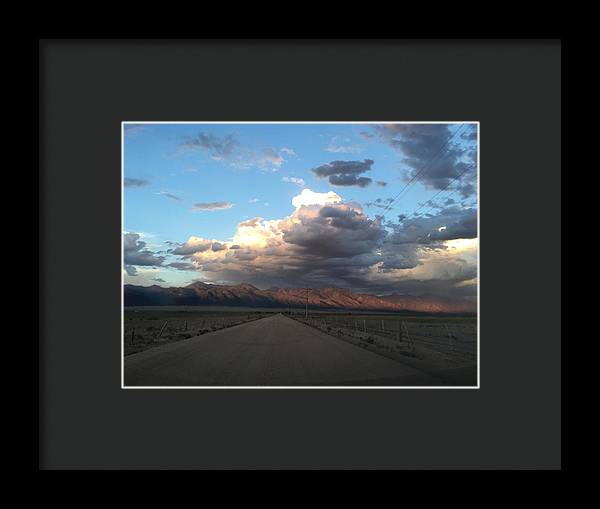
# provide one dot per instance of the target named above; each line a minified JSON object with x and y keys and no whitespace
{"x":266,"y":348}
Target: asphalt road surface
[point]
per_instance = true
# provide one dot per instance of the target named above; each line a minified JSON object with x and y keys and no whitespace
{"x":273,"y":351}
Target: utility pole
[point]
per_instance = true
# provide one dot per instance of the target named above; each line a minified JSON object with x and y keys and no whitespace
{"x":307,"y":303}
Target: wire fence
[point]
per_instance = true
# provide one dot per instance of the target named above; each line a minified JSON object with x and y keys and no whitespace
{"x":452,"y":341}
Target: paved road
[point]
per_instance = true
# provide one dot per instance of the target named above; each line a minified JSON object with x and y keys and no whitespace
{"x":273,"y":351}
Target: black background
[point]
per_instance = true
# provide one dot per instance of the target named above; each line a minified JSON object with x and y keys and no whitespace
{"x":88,"y":87}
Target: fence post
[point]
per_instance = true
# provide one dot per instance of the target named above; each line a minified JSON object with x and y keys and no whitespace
{"x":364,"y":325}
{"x":382,"y":326}
{"x":450,"y":338}
{"x":410,"y":342}
{"x":132,"y":335}
{"x":162,"y":329}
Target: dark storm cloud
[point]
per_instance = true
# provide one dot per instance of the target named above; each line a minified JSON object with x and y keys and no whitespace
{"x":135,"y":252}
{"x":349,"y":180}
{"x":345,"y":173}
{"x":337,"y":231}
{"x":470,"y":134}
{"x":131,"y":182}
{"x":432,"y":153}
{"x":467,"y":189}
{"x":449,"y":224}
{"x":337,"y":244}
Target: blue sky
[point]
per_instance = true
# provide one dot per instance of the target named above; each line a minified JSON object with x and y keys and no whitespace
{"x":203,"y":180}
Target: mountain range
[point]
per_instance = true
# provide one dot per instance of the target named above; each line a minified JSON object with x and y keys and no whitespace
{"x":246,"y":295}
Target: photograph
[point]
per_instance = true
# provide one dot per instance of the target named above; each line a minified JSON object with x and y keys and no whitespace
{"x":286,"y":255}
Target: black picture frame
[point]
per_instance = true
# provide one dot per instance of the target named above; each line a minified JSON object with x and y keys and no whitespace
{"x":88,"y":86}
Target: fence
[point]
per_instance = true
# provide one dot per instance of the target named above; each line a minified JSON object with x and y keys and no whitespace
{"x":451,"y":341}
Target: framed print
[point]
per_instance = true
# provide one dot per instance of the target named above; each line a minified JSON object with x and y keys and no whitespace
{"x":300,"y":254}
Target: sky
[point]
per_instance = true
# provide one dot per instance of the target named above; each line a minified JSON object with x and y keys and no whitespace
{"x":374,"y":208}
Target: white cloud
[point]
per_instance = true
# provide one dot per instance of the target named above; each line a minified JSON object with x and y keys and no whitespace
{"x":335,"y":147}
{"x":294,"y":180}
{"x":308,"y":197}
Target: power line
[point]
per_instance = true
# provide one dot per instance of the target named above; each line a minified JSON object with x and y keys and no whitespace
{"x":470,"y":167}
{"x":416,"y":175}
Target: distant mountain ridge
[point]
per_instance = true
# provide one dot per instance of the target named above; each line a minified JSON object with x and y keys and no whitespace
{"x":246,"y":295}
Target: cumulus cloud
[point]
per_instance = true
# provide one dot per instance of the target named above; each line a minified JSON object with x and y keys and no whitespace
{"x":132,"y":182}
{"x":213,"y":205}
{"x":345,"y":173}
{"x":308,"y":197}
{"x":327,"y":241}
{"x":192,"y":245}
{"x":332,"y":231}
{"x":136,"y":253}
{"x":434,"y":153}
{"x":199,"y":245}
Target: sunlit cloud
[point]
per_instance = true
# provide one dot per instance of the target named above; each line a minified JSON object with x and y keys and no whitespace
{"x":308,"y":197}
{"x":327,"y":241}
